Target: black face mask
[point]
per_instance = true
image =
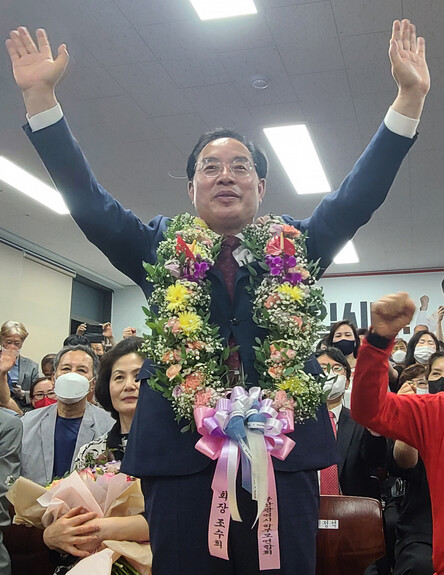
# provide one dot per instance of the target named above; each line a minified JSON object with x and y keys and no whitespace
{"x":347,"y":346}
{"x":436,"y":385}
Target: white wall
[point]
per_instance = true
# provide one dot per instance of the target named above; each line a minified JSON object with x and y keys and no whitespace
{"x":353,"y":295}
{"x":346,"y":295}
{"x":39,"y":297}
{"x":127,"y":311}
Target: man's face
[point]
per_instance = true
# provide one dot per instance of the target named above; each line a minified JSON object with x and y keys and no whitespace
{"x":331,"y":367}
{"x":13,"y":341}
{"x":226,"y":202}
{"x":77,"y":362}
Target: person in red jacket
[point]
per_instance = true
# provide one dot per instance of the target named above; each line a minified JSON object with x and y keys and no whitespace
{"x":418,"y":420}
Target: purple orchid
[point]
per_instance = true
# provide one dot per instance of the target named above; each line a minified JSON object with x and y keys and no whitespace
{"x":293,"y":278}
{"x":275,"y":263}
{"x":289,"y":261}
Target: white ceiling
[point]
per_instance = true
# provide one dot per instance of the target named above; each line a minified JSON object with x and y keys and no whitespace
{"x":147,"y":77}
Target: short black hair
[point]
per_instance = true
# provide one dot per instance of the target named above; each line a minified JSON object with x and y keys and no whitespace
{"x":413,"y":341}
{"x":350,"y":324}
{"x":336,"y":355}
{"x":259,"y":157}
{"x":76,"y":339}
{"x":124,"y":347}
{"x":48,"y":359}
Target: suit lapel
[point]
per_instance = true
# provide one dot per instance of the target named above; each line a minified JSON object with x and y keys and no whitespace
{"x":86,"y":431}
{"x":47,"y":430}
{"x":346,"y":428}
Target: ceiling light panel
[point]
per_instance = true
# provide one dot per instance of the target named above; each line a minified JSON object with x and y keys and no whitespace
{"x":215,"y":9}
{"x":348,"y":254}
{"x":296,"y":152}
{"x":23,"y":181}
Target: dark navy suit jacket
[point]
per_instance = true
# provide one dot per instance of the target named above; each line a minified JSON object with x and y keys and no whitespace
{"x":361,"y":452}
{"x":156,"y":446}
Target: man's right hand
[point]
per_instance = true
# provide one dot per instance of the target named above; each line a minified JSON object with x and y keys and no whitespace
{"x":8,"y":358}
{"x":35,"y":70}
{"x":391,"y":313}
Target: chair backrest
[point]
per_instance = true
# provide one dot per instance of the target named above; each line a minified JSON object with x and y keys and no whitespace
{"x":350,"y":535}
{"x":28,"y":552}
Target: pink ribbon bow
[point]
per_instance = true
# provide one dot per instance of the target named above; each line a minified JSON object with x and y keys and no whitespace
{"x":257,"y":431}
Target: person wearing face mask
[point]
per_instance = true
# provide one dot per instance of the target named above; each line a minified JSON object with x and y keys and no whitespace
{"x":399,"y":353}
{"x":421,"y":346}
{"x":344,"y":336}
{"x":397,"y":363}
{"x":360,"y":451}
{"x":53,"y":435}
{"x":435,"y":371}
{"x":414,"y":419}
{"x":117,"y":389}
{"x":42,"y":393}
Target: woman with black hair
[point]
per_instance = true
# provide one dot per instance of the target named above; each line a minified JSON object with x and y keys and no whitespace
{"x":117,"y":390}
{"x":421,"y":346}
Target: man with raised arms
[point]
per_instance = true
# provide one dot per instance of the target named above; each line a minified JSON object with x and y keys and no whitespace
{"x":176,"y":479}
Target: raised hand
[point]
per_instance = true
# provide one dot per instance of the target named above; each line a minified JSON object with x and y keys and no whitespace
{"x":391,"y":313}
{"x":409,"y":69}
{"x":8,"y":358}
{"x":407,"y":55}
{"x":35,"y":70}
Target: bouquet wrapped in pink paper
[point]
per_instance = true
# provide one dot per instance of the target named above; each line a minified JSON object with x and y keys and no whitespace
{"x":100,"y":489}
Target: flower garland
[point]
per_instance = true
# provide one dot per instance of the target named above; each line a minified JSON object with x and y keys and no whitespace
{"x":188,"y":350}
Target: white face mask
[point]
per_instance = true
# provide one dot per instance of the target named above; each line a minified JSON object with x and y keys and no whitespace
{"x":423,"y":352}
{"x":336,"y":384}
{"x":71,"y":387}
{"x":399,"y":356}
{"x":422,"y":390}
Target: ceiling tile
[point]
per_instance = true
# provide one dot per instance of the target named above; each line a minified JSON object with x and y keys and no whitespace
{"x":306,"y":37}
{"x":324,"y":96}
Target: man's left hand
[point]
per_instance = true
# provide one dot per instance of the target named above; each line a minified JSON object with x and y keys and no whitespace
{"x":407,"y":55}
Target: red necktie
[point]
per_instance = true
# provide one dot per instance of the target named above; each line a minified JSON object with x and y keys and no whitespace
{"x":229,"y":266}
{"x":329,"y":476}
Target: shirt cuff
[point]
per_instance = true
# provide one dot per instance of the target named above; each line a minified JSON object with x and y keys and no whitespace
{"x":45,"y":119}
{"x":378,"y":341}
{"x":401,"y":125}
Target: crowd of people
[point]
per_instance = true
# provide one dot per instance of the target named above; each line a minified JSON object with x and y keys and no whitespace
{"x":82,"y":406}
{"x":79,"y":405}
{"x":90,"y":405}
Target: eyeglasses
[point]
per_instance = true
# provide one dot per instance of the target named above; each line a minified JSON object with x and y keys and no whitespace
{"x":420,"y":382}
{"x":327,"y":367}
{"x":41,"y":395}
{"x":211,"y":168}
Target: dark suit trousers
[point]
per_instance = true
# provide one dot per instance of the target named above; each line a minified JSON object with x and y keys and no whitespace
{"x":414,"y":559}
{"x":178,"y":510}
